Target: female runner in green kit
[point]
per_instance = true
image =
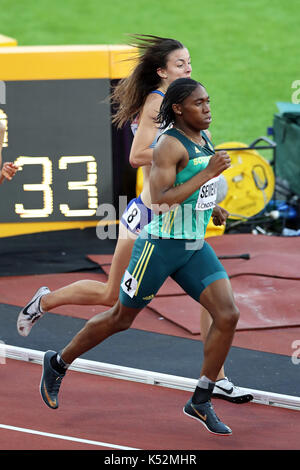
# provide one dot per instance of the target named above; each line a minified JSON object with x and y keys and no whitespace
{"x":138,"y":98}
{"x":182,"y":177}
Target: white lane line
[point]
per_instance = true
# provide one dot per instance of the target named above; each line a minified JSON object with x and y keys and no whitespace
{"x":66,"y":438}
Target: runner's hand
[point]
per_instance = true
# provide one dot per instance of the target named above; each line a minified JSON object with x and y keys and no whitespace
{"x":219,"y":215}
{"x":9,"y":170}
{"x":218,"y":163}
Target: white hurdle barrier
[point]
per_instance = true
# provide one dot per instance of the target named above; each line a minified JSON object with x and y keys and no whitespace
{"x":144,"y":376}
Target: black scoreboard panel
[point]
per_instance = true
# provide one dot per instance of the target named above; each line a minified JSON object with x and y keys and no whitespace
{"x":59,"y":134}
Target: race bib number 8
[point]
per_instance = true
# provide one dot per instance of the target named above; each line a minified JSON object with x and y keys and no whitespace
{"x":207,"y":195}
{"x":133,"y":216}
{"x":129,"y":284}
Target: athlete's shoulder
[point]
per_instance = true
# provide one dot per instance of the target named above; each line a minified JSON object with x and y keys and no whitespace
{"x":151,"y":105}
{"x":153,"y":98}
{"x":169,"y":149}
{"x":168,"y":138}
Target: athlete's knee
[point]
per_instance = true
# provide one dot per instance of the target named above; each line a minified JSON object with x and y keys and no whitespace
{"x":124,"y":318}
{"x":108,"y":323}
{"x":121,"y":317}
{"x":228,"y":317}
{"x":105,"y":294}
{"x":231,"y":316}
{"x":109,"y":298}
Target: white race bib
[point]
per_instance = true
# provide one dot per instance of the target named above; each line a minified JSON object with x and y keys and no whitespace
{"x":133,"y":216}
{"x":129,"y":284}
{"x":207,"y":195}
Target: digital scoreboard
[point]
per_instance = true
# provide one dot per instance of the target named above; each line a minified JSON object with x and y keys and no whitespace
{"x":59,"y":133}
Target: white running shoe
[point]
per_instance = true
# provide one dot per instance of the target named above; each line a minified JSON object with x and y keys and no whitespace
{"x":227,"y":391}
{"x":31,"y":313}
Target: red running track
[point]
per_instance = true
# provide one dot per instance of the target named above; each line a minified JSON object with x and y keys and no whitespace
{"x":126,"y":413}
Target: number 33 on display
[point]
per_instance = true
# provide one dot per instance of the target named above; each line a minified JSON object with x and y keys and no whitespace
{"x":89,"y":185}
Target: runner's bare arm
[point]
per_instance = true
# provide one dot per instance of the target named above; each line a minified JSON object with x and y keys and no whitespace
{"x":140,"y":153}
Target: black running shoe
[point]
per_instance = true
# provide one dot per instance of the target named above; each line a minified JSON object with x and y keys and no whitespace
{"x":205,"y":413}
{"x":50,"y":382}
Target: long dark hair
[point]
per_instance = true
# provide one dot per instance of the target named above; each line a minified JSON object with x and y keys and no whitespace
{"x":130,"y":93}
{"x":176,"y":93}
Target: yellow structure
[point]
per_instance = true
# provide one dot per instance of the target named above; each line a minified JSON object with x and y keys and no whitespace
{"x":250,"y":180}
{"x":64,"y":62}
{"x":7,"y":41}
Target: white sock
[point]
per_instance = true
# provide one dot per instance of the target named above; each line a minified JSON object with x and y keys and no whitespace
{"x":61,"y":362}
{"x":204,"y":382}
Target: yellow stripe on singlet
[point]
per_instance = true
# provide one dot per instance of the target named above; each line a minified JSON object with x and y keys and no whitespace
{"x":166,"y":222}
{"x":167,"y":225}
{"x":173,"y":218}
{"x":169,"y":221}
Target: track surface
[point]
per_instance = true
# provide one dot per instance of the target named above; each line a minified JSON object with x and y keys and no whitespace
{"x":101,"y":413}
